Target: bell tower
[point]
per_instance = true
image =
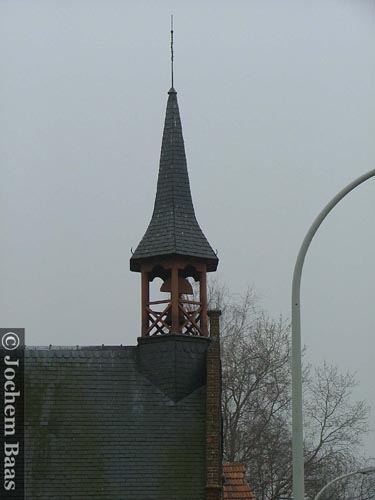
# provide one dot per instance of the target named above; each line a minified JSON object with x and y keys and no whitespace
{"x":174,"y":247}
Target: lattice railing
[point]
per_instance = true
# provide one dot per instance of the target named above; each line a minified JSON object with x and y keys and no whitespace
{"x":158,"y":324}
{"x":190,"y":311}
{"x":160,"y":320}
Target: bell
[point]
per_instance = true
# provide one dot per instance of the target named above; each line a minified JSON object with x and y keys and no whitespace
{"x":184,"y":286}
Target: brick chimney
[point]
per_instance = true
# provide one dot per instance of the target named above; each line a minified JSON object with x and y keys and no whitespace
{"x":214,"y":486}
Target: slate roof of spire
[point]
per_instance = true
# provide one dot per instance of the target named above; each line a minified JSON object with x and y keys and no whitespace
{"x":173,"y":229}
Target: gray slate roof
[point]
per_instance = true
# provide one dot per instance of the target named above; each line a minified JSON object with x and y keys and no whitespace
{"x":98,"y":426}
{"x":173,"y":229}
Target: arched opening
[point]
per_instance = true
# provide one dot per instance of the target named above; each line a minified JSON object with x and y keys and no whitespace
{"x":174,"y":300}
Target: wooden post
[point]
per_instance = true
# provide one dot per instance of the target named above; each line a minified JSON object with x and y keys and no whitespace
{"x":145,"y":302}
{"x":175,"y":299}
{"x":203,"y":300}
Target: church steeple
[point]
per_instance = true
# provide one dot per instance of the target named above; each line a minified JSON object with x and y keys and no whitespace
{"x":173,"y":229}
{"x":174,"y":247}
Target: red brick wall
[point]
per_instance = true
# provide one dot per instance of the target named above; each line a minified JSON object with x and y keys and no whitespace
{"x":213,"y":412}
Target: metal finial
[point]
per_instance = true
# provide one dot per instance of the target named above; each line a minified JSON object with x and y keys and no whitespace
{"x":172,"y":48}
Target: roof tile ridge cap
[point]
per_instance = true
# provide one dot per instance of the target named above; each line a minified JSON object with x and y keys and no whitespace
{"x":174,"y":170}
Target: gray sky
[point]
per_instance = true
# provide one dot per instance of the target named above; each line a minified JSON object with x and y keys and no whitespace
{"x":277,"y":102}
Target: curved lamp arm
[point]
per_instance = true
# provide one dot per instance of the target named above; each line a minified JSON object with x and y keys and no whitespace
{"x":369,"y":470}
{"x":297,"y":423}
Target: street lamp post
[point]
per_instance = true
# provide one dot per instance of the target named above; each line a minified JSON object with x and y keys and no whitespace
{"x":365,"y":471}
{"x":297,"y":422}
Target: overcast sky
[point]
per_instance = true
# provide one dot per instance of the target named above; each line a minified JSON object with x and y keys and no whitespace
{"x":277,"y":101}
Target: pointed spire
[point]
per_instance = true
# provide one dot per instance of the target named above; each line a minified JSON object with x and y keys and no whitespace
{"x":173,"y":229}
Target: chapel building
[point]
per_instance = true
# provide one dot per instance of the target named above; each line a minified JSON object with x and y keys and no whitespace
{"x":138,"y":422}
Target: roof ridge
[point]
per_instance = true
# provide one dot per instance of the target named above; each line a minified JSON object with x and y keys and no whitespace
{"x":174,"y":174}
{"x":77,"y":347}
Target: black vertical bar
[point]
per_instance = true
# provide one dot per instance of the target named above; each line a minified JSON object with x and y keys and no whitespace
{"x":12,"y":353}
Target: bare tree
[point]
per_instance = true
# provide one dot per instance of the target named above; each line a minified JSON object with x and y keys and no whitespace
{"x":256,"y":404}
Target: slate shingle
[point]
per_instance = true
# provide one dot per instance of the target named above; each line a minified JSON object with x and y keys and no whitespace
{"x":173,"y":229}
{"x":98,"y":426}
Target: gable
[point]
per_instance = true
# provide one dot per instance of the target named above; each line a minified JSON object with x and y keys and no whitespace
{"x":96,"y":427}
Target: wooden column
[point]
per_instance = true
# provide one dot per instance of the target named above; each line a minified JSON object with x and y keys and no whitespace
{"x":174,"y":299}
{"x":203,"y":300}
{"x":144,"y":301}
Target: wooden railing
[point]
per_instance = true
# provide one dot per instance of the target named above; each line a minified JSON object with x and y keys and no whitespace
{"x":160,"y":321}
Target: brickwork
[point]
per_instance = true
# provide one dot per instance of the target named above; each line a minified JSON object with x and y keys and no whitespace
{"x":213,"y":412}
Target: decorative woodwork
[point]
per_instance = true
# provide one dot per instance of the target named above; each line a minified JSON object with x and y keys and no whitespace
{"x":181,"y":312}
